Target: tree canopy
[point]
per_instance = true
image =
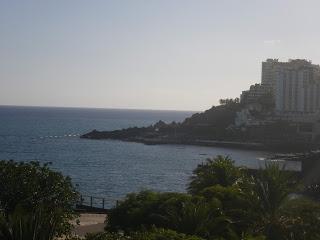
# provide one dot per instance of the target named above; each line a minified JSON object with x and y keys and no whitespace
{"x":35,"y":199}
{"x":225,"y":202}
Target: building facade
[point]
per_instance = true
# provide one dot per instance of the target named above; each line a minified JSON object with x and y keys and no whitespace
{"x":295,"y":85}
{"x":268,"y":71}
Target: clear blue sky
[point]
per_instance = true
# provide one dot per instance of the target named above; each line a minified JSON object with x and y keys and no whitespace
{"x":152,"y":54}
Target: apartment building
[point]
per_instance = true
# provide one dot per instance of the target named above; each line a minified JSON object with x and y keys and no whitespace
{"x":255,"y":92}
{"x":295,"y":84}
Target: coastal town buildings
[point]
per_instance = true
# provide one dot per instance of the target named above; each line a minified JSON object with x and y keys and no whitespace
{"x":294,"y":87}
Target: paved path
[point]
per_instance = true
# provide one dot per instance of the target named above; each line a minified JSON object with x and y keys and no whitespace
{"x":90,"y":223}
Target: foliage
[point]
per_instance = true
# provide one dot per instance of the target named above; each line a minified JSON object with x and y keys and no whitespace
{"x":229,"y":101}
{"x":35,"y":199}
{"x":162,"y":234}
{"x":283,"y":214}
{"x":218,"y":116}
{"x":139,"y":210}
{"x":272,"y":187}
{"x":192,"y":215}
{"x":226,"y":202}
{"x":235,"y":205}
{"x":198,"y":216}
{"x":153,"y":234}
{"x":37,"y":224}
{"x":157,"y":234}
{"x":301,"y":219}
{"x":217,"y":171}
{"x":259,"y":237}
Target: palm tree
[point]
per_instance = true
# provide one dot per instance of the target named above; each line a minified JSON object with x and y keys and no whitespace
{"x":202,"y":218}
{"x":272,"y":188}
{"x":218,"y":171}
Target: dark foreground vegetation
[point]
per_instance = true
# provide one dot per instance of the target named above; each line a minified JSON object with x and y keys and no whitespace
{"x":223,"y":202}
{"x":36,"y":203}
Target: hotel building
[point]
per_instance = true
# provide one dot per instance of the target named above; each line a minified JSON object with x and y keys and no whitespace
{"x":295,"y":84}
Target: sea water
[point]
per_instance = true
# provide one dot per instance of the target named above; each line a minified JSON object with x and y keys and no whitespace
{"x":105,"y":168}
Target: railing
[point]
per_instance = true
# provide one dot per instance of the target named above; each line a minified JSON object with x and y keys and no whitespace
{"x":92,"y":202}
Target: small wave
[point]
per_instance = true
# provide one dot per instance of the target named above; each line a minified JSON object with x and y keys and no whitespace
{"x":61,"y":136}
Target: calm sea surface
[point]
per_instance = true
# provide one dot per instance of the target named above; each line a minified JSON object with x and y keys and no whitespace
{"x":105,"y":168}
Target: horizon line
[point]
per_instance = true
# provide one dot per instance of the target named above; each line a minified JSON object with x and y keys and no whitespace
{"x":101,"y":108}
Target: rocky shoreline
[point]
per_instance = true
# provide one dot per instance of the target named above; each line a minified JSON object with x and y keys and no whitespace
{"x":143,"y":135}
{"x":122,"y":136}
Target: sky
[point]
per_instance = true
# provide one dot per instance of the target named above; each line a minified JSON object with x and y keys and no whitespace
{"x":146,"y":54}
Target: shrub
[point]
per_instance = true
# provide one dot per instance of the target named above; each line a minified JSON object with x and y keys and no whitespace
{"x":192,"y":215}
{"x":154,"y":234}
{"x":34,"y":198}
{"x":301,"y":219}
{"x":139,"y":210}
{"x":217,"y":171}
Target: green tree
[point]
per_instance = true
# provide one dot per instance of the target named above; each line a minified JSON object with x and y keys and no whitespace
{"x":226,"y":202}
{"x":272,"y":187}
{"x":36,"y":224}
{"x":284,"y":215}
{"x":218,"y":171}
{"x":197,"y":216}
{"x":192,"y":215}
{"x":140,"y":210}
{"x":235,"y":205}
{"x":229,"y":101}
{"x":31,"y":192}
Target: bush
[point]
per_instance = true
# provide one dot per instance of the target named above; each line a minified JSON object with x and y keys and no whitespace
{"x":301,"y":219}
{"x":192,"y":215}
{"x":35,"y":199}
{"x":218,"y":171}
{"x":235,"y":204}
{"x":154,"y":234}
{"x":146,"y":209}
{"x":226,"y":202}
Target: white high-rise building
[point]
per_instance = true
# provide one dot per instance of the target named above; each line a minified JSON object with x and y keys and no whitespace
{"x":295,"y":84}
{"x":268,"y":71}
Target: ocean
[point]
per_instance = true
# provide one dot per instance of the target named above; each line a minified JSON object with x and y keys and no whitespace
{"x":105,"y":168}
